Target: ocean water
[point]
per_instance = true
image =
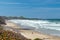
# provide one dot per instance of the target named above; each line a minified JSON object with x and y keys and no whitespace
{"x":50,"y":27}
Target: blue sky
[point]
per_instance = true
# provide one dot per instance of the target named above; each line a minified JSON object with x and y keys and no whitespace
{"x":30,"y":8}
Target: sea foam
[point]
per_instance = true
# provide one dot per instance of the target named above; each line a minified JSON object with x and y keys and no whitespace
{"x":38,"y":24}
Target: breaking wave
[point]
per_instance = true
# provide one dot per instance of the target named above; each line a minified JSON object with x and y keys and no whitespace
{"x":38,"y":24}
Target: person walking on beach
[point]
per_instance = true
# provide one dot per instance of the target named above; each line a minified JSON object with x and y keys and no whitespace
{"x":32,"y":32}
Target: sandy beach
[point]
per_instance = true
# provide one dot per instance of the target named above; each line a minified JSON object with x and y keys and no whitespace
{"x":30,"y":34}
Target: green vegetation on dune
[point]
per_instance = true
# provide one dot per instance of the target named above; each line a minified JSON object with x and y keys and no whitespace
{"x":9,"y":35}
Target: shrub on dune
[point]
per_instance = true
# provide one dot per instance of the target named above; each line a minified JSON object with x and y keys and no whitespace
{"x":37,"y":39}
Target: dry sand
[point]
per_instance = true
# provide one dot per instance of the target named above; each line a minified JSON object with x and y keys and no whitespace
{"x":30,"y":34}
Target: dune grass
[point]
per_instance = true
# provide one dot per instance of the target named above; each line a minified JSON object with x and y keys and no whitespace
{"x":8,"y":35}
{"x":37,"y":39}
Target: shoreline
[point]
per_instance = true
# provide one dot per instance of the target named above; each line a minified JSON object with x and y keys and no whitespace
{"x":30,"y":34}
